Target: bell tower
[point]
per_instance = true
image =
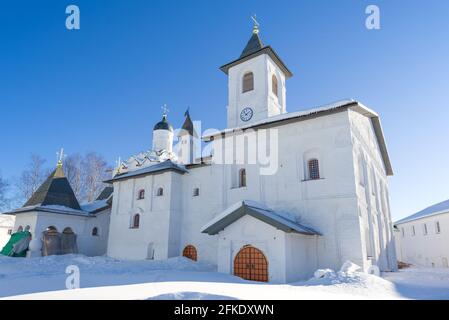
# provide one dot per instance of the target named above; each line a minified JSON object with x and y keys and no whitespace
{"x":256,"y":83}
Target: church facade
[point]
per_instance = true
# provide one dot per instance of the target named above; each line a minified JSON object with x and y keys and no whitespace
{"x":320,"y":200}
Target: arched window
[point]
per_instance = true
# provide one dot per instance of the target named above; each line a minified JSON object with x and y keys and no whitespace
{"x":68,"y":230}
{"x":274,"y":85}
{"x":20,"y":229}
{"x":160,"y":192}
{"x":196,"y":192}
{"x":314,"y":169}
{"x":190,"y":252}
{"x":95,"y":232}
{"x":248,"y":82}
{"x":242,"y":178}
{"x":141,"y":195}
{"x":27,"y":228}
{"x":136,"y":221}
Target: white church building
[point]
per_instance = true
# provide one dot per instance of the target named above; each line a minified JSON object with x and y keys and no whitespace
{"x":319,"y":199}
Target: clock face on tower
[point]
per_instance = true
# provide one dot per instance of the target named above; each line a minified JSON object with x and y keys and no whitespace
{"x":246,"y":114}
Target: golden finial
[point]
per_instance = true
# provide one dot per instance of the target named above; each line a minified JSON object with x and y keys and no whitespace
{"x":256,"y":24}
{"x":61,"y":156}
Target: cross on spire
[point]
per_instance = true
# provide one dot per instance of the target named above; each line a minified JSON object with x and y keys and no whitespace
{"x":165,"y":110}
{"x":256,"y":24}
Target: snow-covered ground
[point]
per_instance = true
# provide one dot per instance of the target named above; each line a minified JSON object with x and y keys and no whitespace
{"x":180,"y":278}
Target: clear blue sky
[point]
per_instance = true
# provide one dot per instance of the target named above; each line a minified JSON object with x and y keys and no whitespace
{"x":101,"y":88}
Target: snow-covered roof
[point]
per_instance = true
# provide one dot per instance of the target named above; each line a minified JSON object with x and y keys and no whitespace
{"x":163,"y":166}
{"x":320,"y":111}
{"x":258,"y":211}
{"x":439,"y":208}
{"x":95,"y":206}
{"x":50,"y":208}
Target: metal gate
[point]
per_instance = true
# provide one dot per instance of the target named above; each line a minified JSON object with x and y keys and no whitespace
{"x":251,"y":264}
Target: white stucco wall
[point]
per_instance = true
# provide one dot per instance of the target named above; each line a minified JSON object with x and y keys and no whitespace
{"x":430,"y":250}
{"x":6,"y":224}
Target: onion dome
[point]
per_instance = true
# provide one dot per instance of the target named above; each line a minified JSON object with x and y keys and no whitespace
{"x":163,"y":124}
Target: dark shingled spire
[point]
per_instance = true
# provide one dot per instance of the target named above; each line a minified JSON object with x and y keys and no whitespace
{"x":254,"y":44}
{"x":187,"y":127}
{"x":56,"y":190}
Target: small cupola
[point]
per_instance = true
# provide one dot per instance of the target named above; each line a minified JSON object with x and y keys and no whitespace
{"x":163,"y":134}
{"x":163,"y":124}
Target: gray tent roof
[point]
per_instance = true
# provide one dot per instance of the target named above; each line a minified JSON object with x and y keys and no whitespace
{"x":55,"y":191}
{"x":258,"y":211}
{"x":254,"y":44}
{"x":187,"y":126}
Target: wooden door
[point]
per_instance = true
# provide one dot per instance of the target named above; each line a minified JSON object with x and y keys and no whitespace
{"x":251,"y":264}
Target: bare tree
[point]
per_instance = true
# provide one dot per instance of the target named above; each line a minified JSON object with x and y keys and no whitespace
{"x":73,"y":169}
{"x":32,"y":177}
{"x":4,"y":201}
{"x":95,"y":172}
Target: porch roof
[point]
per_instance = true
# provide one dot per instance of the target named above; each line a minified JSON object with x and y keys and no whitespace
{"x":258,"y":211}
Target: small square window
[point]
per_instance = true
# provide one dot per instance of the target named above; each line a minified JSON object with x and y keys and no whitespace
{"x":196,"y":192}
{"x":9,"y":231}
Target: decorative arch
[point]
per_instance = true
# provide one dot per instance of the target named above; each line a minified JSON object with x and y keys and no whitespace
{"x":248,"y":82}
{"x":51,"y":228}
{"x":190,"y":252}
{"x":250,"y":263}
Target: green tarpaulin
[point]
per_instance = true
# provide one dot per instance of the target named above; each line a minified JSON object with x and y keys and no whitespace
{"x":17,"y":244}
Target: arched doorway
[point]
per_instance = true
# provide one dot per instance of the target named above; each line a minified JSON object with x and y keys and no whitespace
{"x":190,"y":252}
{"x":250,"y":264}
{"x":68,"y":241}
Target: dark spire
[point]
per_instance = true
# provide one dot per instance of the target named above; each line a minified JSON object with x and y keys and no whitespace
{"x":254,"y":44}
{"x":56,"y":190}
{"x":187,"y":127}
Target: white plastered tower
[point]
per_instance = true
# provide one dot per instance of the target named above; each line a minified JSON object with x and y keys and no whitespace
{"x":256,"y":84}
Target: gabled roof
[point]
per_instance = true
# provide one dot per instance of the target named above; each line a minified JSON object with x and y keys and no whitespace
{"x":258,"y":211}
{"x":55,"y":191}
{"x":439,"y":208}
{"x":167,"y":165}
{"x":335,"y":107}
